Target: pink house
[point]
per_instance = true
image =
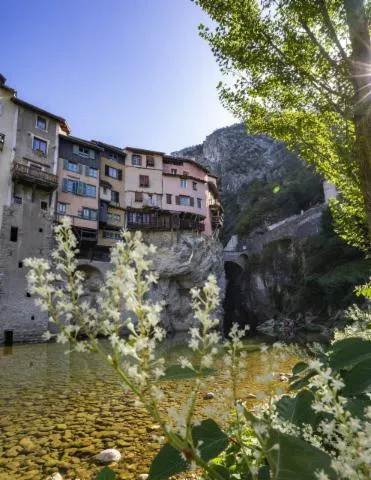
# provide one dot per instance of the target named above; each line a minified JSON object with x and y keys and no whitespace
{"x":186,"y":189}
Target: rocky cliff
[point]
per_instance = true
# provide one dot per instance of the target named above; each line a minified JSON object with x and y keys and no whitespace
{"x":183,"y":260}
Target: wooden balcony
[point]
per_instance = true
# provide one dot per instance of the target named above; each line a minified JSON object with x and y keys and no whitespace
{"x":32,"y":175}
{"x":162,"y":221}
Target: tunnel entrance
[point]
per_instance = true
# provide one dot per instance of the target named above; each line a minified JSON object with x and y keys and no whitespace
{"x":234,"y":302}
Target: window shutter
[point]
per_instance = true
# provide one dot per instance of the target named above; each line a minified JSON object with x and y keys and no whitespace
{"x":80,"y":167}
{"x":119,"y":174}
{"x":65,"y":185}
{"x":192,"y":201}
{"x":106,"y":170}
{"x":65,"y":164}
{"x":177,"y":200}
{"x":75,"y":149}
{"x":92,"y":154}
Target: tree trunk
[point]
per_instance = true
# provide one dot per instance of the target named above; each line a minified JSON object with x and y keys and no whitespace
{"x":360,"y":71}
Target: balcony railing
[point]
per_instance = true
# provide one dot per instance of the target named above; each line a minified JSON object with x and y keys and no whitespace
{"x":33,"y":175}
{"x":164,"y":223}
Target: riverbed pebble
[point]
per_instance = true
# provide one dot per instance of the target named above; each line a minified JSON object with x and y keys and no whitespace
{"x":109,"y":455}
{"x":209,"y":396}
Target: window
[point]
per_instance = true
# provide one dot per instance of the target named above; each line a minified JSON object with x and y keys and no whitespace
{"x":41,"y":122}
{"x":143,"y":180}
{"x":112,"y":156}
{"x":113,"y":172}
{"x":91,"y":172}
{"x":150,"y":161}
{"x":88,"y":213}
{"x":84,"y":152}
{"x":199,"y":203}
{"x":136,"y":160}
{"x":79,"y":188}
{"x":111,"y":235}
{"x":168,"y":198}
{"x":183,"y":183}
{"x":62,"y":208}
{"x":71,"y":166}
{"x":39,"y":145}
{"x":115,"y":197}
{"x":43,"y":205}
{"x":17,"y":199}
{"x":13,"y":234}
{"x":90,"y":190}
{"x":114,"y":217}
{"x":139,"y":196}
{"x":194,"y":185}
{"x":173,"y":171}
{"x":2,"y":141}
{"x":184,"y":200}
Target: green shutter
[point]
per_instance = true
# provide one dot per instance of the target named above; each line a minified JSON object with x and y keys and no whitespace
{"x":65,"y":164}
{"x":75,"y":149}
{"x":92,"y":154}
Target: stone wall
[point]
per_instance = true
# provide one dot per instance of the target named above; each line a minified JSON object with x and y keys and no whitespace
{"x":18,"y":312}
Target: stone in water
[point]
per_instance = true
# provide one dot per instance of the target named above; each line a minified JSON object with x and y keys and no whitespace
{"x":108,"y":456}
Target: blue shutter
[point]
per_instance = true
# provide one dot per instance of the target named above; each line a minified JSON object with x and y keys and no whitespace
{"x":65,"y":185}
{"x":65,"y":164}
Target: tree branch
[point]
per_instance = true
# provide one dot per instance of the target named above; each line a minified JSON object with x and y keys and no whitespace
{"x":314,"y":39}
{"x":331,"y":29}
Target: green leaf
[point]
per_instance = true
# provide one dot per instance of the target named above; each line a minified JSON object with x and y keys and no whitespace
{"x":295,"y":459}
{"x":276,"y":189}
{"x":358,"y":379}
{"x":176,"y":372}
{"x":224,"y":472}
{"x":213,"y":440}
{"x":167,"y":462}
{"x":106,"y":474}
{"x":303,"y":382}
{"x":297,"y":410}
{"x":299,"y":367}
{"x":349,"y":352}
{"x":357,"y":405}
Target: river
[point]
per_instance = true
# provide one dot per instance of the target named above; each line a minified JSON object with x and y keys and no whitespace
{"x":57,"y":411}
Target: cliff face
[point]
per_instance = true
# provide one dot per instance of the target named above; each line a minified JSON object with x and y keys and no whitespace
{"x":238,"y":158}
{"x":183,"y":260}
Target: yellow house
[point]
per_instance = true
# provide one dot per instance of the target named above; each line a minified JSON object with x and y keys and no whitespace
{"x":111,"y":194}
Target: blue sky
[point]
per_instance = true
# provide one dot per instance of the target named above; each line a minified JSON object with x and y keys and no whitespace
{"x":127,"y":72}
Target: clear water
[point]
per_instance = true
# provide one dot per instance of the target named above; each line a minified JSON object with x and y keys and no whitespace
{"x":57,"y":411}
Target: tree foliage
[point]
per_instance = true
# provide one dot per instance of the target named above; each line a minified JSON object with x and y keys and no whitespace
{"x":300,"y":72}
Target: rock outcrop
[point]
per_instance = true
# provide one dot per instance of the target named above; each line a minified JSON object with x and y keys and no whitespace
{"x":183,"y":260}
